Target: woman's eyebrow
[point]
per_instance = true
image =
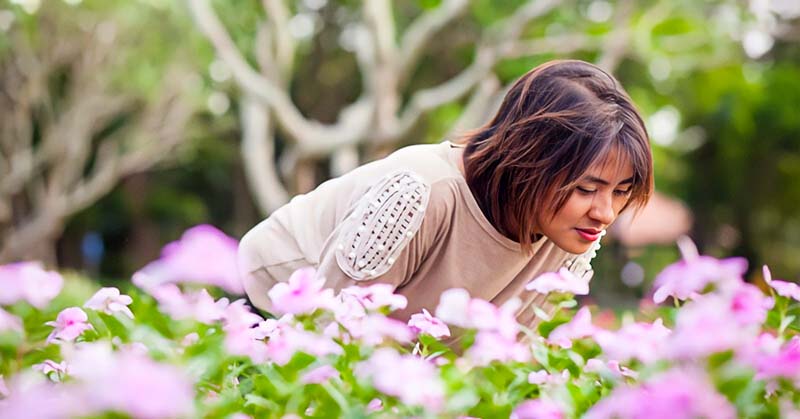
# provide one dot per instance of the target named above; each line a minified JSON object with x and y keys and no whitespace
{"x":601,"y":181}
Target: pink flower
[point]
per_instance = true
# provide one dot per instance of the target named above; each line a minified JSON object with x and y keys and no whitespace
{"x":313,"y":344}
{"x":109,"y":301}
{"x":643,"y":341}
{"x":9,"y":321}
{"x":543,"y":377}
{"x":425,"y":323}
{"x":48,"y":366}
{"x":199,"y":305}
{"x":285,"y":339}
{"x":538,"y":377}
{"x":246,"y":342}
{"x":413,"y":380}
{"x":483,"y":315}
{"x":612,"y":368}
{"x":492,"y":346}
{"x":674,"y":394}
{"x":130,"y":382}
{"x":172,"y":301}
{"x":190,"y":339}
{"x":691,"y":338}
{"x":452,"y":308}
{"x":30,"y":282}
{"x":375,"y":328}
{"x":302,"y":294}
{"x":538,"y":409}
{"x":239,"y":315}
{"x":374,"y":405}
{"x":784,"y":363}
{"x":241,"y":337}
{"x":561,"y":281}
{"x":3,"y":388}
{"x":749,"y":305}
{"x":203,"y":255}
{"x":319,"y":375}
{"x":457,"y":308}
{"x":787,"y":408}
{"x":205,"y":309}
{"x":376,"y":296}
{"x":348,"y":311}
{"x":579,"y":327}
{"x":692,"y":274}
{"x":32,"y":396}
{"x":70,"y":323}
{"x":782,"y":288}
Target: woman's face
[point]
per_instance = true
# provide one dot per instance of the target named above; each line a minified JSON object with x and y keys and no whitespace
{"x":601,"y":194}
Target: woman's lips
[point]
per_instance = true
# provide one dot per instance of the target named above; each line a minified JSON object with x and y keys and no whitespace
{"x":589,"y":234}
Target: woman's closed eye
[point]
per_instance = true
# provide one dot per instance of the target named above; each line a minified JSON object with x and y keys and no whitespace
{"x":617,"y":192}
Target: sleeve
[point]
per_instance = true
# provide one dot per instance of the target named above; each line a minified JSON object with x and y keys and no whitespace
{"x":267,"y":254}
{"x":255,"y":278}
{"x":385,"y":235}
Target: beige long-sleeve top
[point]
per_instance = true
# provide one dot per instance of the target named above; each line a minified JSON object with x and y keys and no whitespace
{"x":409,"y":220}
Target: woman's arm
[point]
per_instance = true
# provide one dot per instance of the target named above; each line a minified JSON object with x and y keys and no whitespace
{"x":383,"y":237}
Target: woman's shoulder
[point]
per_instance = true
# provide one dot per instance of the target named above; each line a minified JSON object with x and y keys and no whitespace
{"x":429,"y":162}
{"x":436,"y":196}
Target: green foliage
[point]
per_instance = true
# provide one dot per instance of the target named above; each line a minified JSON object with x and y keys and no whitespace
{"x":261,"y":379}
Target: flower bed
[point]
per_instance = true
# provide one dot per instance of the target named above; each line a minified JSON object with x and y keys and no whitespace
{"x":169,"y":348}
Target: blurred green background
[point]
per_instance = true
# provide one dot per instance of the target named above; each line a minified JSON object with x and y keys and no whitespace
{"x":122,"y":123}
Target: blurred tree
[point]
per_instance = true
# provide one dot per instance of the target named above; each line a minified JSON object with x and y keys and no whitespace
{"x":84,"y":102}
{"x":743,"y":178}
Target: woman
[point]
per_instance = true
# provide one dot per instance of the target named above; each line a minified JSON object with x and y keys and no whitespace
{"x":531,"y":191}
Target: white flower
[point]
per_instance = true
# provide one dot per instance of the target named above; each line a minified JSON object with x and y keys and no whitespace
{"x":108,"y":300}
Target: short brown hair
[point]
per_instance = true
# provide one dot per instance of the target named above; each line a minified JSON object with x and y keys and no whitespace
{"x":555,"y":122}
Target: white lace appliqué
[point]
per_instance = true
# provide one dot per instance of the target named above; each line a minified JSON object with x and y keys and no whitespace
{"x":581,"y":265}
{"x":383,"y":222}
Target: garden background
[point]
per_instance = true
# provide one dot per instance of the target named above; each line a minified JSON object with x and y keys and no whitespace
{"x":127,"y":125}
{"x":123,"y":123}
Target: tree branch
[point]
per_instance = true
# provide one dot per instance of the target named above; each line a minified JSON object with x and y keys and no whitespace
{"x":258,"y":156}
{"x":475,"y":113}
{"x":511,"y":28}
{"x":558,"y":44}
{"x":488,"y":53}
{"x":427,"y":99}
{"x":420,"y":33}
{"x":312,"y":137}
{"x":278,"y":15}
{"x":378,"y":15}
{"x":617,"y":41}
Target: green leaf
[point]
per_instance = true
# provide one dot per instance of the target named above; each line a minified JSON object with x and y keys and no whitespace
{"x":10,"y":340}
{"x":463,"y":400}
{"x":255,"y":400}
{"x":541,"y":355}
{"x":115,"y":326}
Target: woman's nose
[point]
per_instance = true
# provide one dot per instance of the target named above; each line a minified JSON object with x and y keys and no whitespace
{"x":602,"y":210}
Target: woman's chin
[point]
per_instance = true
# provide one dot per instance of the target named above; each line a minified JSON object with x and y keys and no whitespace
{"x":573,"y":246}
